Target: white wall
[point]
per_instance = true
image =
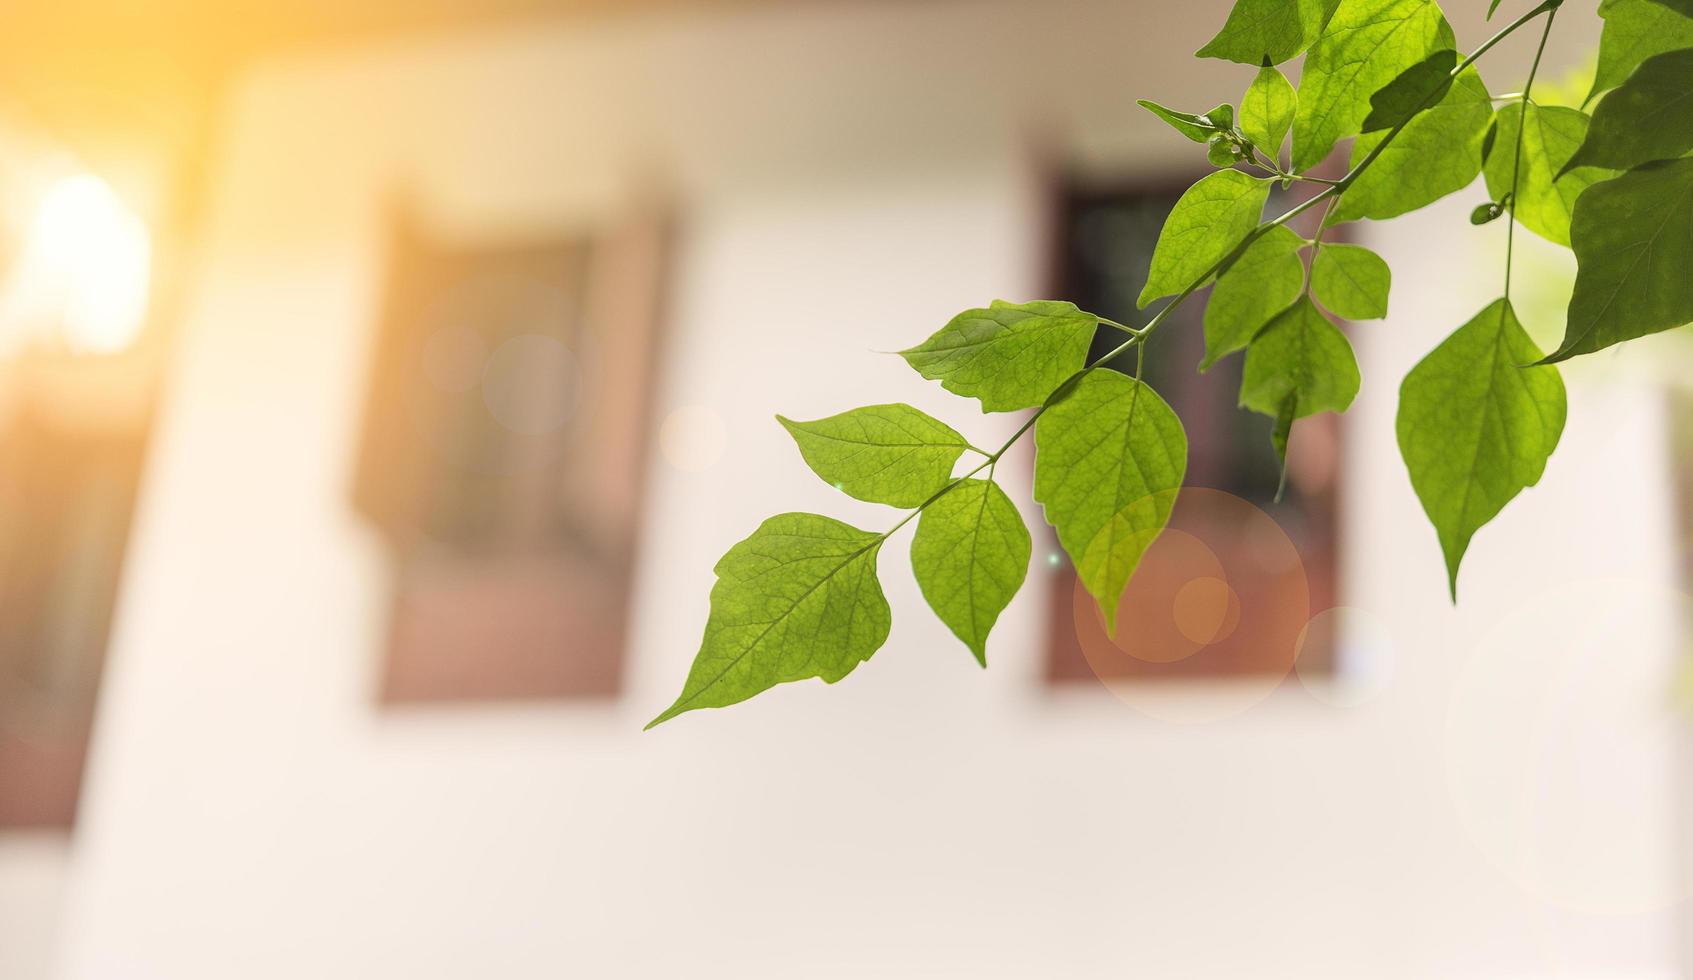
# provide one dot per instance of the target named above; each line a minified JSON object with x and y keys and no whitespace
{"x":33,"y":874}
{"x":850,"y":177}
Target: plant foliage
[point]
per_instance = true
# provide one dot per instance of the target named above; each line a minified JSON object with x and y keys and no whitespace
{"x":1478,"y":417}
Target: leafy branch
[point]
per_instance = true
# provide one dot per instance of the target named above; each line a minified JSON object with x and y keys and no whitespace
{"x":1478,"y":418}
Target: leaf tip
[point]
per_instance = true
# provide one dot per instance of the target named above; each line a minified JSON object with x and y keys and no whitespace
{"x":1454,"y":557}
{"x":675,"y":709}
{"x":1109,"y":611}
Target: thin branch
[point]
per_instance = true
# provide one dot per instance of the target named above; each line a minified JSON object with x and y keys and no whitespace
{"x":1330,"y":191}
{"x":1517,"y":162}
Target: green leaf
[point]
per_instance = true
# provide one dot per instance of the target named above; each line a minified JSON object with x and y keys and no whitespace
{"x":1209,"y":220}
{"x":1634,"y":31}
{"x":1633,"y":241}
{"x":886,"y":454}
{"x":1487,"y":213}
{"x":1684,"y":7}
{"x":1368,"y":44}
{"x":1423,"y":84}
{"x":1474,"y":428}
{"x":970,"y":553}
{"x":1267,"y":109}
{"x":1494,"y":6}
{"x":1268,"y":30}
{"x":1010,"y":355}
{"x":1195,"y":127}
{"x":1542,"y":204}
{"x":1648,"y":117}
{"x":797,"y":599}
{"x":1437,"y":153}
{"x":1351,"y":281}
{"x":1221,"y":152}
{"x":1109,"y":460}
{"x":1266,"y":278}
{"x":1301,"y":364}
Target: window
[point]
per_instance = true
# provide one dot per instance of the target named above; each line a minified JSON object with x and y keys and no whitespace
{"x":501,"y":458}
{"x":1230,"y":586}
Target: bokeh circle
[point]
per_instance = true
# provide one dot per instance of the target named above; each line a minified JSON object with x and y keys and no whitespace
{"x":1220,"y":596}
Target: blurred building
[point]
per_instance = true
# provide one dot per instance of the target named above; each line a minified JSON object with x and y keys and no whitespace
{"x":367,"y":553}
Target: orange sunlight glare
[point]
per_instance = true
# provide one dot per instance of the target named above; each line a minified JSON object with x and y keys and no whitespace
{"x":81,"y":278}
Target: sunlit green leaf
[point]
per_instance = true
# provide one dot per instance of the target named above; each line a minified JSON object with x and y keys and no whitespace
{"x":1266,"y":278}
{"x":1209,"y":220}
{"x":1351,"y":281}
{"x":970,"y":553}
{"x":1273,"y":30}
{"x":1194,"y":126}
{"x":1436,"y":154}
{"x":1542,"y":205}
{"x":1417,"y":88}
{"x":1648,"y":117}
{"x":797,"y":599}
{"x":1367,"y":44}
{"x":1476,"y":428}
{"x":1221,"y":151}
{"x":1301,"y":364}
{"x":886,"y":454}
{"x":1634,"y":31}
{"x":1109,"y":459}
{"x":1633,"y":241}
{"x":1010,"y":355}
{"x":1267,"y":109}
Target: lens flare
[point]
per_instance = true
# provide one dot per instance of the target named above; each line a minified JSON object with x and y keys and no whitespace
{"x":82,"y":277}
{"x":1220,"y":595}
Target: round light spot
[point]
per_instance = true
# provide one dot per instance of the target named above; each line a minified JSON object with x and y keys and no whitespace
{"x":531,"y":384}
{"x":1202,"y":609}
{"x":1347,"y":656}
{"x":692,"y":438}
{"x":83,"y":272}
{"x":1209,"y":622}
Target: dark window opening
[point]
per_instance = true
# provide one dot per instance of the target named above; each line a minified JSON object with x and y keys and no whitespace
{"x":1220,"y":587}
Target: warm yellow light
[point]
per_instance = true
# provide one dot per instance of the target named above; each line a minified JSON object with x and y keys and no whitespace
{"x":83,"y":273}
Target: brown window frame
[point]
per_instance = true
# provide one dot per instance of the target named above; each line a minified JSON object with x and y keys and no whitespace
{"x":523,"y":616}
